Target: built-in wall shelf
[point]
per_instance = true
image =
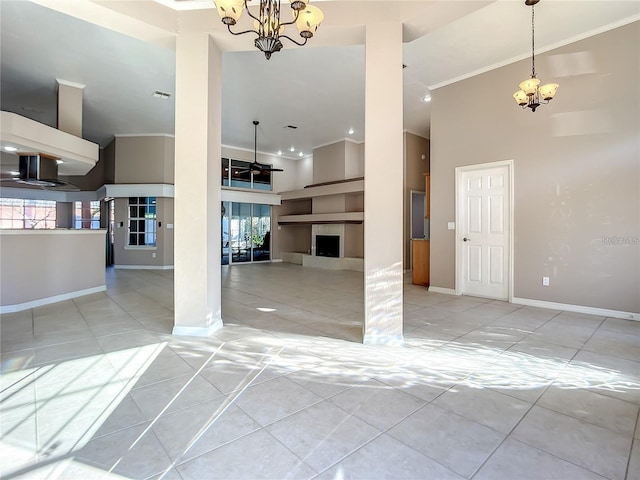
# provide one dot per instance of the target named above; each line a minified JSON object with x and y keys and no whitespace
{"x":322,"y":218}
{"x":340,"y":187}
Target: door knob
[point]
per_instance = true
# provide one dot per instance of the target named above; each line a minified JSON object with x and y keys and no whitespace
{"x":465,"y":239}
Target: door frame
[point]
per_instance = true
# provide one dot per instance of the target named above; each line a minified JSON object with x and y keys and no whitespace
{"x":458,"y":205}
{"x":410,"y":230}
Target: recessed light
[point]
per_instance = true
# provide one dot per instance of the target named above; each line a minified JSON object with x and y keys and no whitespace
{"x":426,"y":98}
{"x":279,"y":152}
{"x":292,"y":149}
{"x":11,"y":149}
{"x":59,"y":162}
{"x":351,"y":131}
{"x":13,"y":172}
{"x":300,"y":154}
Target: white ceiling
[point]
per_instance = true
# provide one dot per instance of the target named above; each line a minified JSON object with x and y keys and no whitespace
{"x":319,"y":87}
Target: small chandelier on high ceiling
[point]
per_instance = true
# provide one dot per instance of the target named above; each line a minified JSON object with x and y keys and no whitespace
{"x":531,"y":96}
{"x":267,"y":25}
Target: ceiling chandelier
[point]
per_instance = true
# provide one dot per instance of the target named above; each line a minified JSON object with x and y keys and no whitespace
{"x":267,"y":26}
{"x":531,"y":95}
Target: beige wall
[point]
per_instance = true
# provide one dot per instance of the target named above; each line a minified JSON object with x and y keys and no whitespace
{"x":340,"y":160}
{"x":109,"y":158}
{"x":290,"y":238}
{"x":304,"y":173}
{"x":93,"y":180}
{"x":144,"y":159}
{"x":354,"y":240}
{"x":353,"y":159}
{"x":576,"y":163}
{"x":414,"y":168}
{"x":36,"y":265}
{"x":64,"y":214}
{"x":329,"y":163}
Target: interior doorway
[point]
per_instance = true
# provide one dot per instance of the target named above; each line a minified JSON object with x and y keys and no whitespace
{"x":484,"y":230}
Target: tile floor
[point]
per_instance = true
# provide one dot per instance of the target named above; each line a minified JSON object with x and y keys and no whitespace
{"x":98,"y":388}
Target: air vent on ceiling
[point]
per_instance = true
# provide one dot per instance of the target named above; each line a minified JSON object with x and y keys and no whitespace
{"x":292,"y":127}
{"x":162,"y":95}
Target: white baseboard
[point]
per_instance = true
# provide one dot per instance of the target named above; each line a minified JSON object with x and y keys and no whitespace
{"x":187,"y":331}
{"x":391,"y":340}
{"x":144,"y":267}
{"x":276,"y":260}
{"x":46,"y":301}
{"x":446,"y":291}
{"x":577,"y":308}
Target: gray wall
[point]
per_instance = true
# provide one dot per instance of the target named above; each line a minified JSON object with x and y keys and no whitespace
{"x":576,"y":163}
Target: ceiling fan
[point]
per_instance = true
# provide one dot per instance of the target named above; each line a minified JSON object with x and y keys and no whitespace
{"x":255,"y":167}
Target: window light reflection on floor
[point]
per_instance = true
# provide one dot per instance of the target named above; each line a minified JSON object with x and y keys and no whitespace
{"x":84,"y":392}
{"x":68,"y":401}
{"x":427,"y":362}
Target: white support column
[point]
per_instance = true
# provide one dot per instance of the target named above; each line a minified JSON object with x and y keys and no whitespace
{"x":383,"y":181}
{"x":197,"y":186}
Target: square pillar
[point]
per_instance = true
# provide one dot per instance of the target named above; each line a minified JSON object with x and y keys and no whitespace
{"x":197,"y":282}
{"x":70,"y":107}
{"x":383,"y":185}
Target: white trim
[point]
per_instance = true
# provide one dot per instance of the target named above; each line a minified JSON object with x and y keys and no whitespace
{"x":130,"y":135}
{"x":123,"y":190}
{"x":162,"y":190}
{"x":553,"y":46}
{"x":577,"y":308}
{"x":70,"y":84}
{"x":412,"y":132}
{"x":446,"y":291}
{"x":53,"y":231}
{"x":143,"y":267}
{"x":345,"y":139}
{"x":392,"y":340}
{"x":140,"y":247}
{"x":273,"y":156}
{"x":79,"y":155}
{"x":266,"y":197}
{"x":46,"y":301}
{"x":184,"y":330}
{"x":458,"y":255}
{"x":276,"y":260}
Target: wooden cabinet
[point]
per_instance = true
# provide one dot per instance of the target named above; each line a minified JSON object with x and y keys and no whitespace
{"x":420,"y":266}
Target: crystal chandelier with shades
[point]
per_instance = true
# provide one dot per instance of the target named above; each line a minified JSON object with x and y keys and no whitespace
{"x":531,"y":95}
{"x":267,"y":26}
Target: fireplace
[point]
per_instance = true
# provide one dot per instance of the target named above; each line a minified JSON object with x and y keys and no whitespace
{"x":328,"y":246}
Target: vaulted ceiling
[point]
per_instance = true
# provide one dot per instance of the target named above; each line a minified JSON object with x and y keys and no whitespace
{"x":123,"y":51}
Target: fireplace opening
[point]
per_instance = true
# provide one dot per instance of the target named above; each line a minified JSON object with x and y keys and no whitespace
{"x":328,"y":246}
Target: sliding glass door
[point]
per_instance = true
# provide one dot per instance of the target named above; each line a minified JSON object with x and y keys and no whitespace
{"x":246,"y":232}
{"x":261,"y":232}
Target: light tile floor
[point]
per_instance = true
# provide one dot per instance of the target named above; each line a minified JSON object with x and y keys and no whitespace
{"x":97,"y":387}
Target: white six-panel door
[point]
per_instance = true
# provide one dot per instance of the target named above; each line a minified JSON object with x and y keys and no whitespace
{"x":483,"y":230}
